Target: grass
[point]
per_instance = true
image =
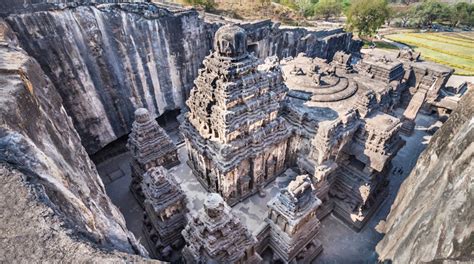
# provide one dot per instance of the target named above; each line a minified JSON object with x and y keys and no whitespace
{"x":453,"y":49}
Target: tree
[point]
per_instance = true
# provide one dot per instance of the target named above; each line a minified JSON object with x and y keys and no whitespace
{"x":206,"y":4}
{"x":345,"y":5}
{"x":328,"y":8}
{"x":462,"y":13}
{"x":402,"y":12}
{"x":367,"y":16}
{"x":429,"y":11}
{"x":305,"y":7}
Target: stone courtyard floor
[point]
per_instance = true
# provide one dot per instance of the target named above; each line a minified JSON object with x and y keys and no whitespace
{"x":341,"y":243}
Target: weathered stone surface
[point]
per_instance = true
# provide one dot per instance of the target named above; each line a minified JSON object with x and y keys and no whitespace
{"x":293,"y":222}
{"x":431,"y":219}
{"x":267,"y":39}
{"x":423,"y":79}
{"x":165,"y":213}
{"x":34,"y":231}
{"x":106,"y":61}
{"x":343,"y":133}
{"x":38,"y":143}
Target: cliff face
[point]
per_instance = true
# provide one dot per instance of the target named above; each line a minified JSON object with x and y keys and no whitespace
{"x":431,"y":219}
{"x":44,"y":166}
{"x":106,"y":61}
{"x":267,"y":39}
{"x":33,"y":232}
{"x":27,"y":6}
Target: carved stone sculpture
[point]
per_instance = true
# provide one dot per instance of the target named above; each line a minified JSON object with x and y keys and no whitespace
{"x":343,"y":138}
{"x":293,"y":222}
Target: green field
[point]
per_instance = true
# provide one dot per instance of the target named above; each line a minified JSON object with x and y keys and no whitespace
{"x":454,"y":49}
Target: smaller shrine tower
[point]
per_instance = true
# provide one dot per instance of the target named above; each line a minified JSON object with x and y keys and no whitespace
{"x":215,"y":235}
{"x":165,"y":213}
{"x":293,"y":222}
{"x":150,"y":147}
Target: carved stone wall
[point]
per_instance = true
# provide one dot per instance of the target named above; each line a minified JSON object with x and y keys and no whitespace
{"x":342,"y":136}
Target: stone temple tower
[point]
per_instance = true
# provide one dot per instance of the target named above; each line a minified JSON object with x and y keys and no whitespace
{"x":165,"y":213}
{"x":215,"y":235}
{"x":235,"y":137}
{"x":293,"y":223}
{"x":150,"y":147}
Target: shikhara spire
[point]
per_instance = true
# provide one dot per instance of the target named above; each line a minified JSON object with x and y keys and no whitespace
{"x":150,"y":147}
{"x":234,"y":133}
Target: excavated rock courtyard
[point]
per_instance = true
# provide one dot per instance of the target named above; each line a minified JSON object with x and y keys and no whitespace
{"x":342,"y":244}
{"x":294,"y":145}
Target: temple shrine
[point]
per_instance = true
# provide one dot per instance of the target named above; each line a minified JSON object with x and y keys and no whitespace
{"x":249,"y":122}
{"x":235,"y":135}
{"x":165,"y":213}
{"x":215,"y":235}
{"x":150,"y":147}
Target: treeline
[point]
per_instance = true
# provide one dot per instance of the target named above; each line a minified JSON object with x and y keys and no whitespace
{"x":208,"y":5}
{"x":324,"y":9}
{"x":367,"y":16}
{"x":404,"y":13}
{"x":426,"y":13}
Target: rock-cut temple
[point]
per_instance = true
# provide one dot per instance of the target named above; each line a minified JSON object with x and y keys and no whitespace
{"x":235,"y":135}
{"x":326,"y":129}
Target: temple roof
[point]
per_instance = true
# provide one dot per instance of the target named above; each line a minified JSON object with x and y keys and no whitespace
{"x":148,"y":141}
{"x":215,"y":234}
{"x":161,"y":189}
{"x":297,"y":200}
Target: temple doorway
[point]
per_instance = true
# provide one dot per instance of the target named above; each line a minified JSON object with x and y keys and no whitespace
{"x":253,"y":48}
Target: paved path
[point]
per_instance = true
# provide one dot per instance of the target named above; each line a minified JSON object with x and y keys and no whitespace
{"x":397,"y":44}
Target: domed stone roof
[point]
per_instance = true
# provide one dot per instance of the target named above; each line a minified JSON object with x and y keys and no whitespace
{"x":142,"y":115}
{"x":230,"y":41}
